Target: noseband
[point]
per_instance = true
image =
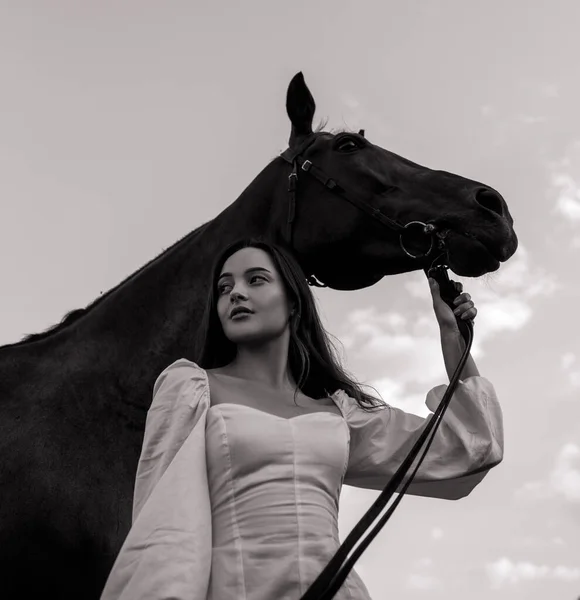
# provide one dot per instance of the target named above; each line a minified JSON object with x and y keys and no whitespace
{"x":336,"y":571}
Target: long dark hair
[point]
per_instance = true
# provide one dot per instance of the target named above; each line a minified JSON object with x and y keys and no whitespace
{"x":312,"y":358}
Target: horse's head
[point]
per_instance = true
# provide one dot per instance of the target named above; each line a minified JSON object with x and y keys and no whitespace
{"x":344,"y":246}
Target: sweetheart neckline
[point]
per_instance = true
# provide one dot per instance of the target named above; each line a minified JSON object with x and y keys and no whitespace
{"x":318,"y":412}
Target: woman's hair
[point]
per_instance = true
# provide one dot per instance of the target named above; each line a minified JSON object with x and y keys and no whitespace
{"x":312,"y":357}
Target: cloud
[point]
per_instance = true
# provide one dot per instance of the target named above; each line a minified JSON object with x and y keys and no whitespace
{"x":504,"y":303}
{"x":389,"y":338}
{"x":417,"y":581}
{"x":568,"y":360}
{"x":394,"y":393}
{"x":421,"y":578}
{"x":551,"y":90}
{"x":562,"y":482}
{"x":424,"y":563}
{"x":436,"y":533}
{"x":531,"y":120}
{"x":504,"y":314}
{"x":565,"y":477}
{"x":504,"y":572}
{"x":519,"y":277}
{"x":568,"y":199}
{"x":540,"y":543}
{"x":565,"y":187}
{"x":571,"y":368}
{"x":383,"y":339}
{"x":504,"y":298}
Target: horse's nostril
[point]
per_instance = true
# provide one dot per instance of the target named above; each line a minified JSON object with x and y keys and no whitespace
{"x":490,"y":200}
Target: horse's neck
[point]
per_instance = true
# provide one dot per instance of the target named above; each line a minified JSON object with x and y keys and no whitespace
{"x":156,"y":311}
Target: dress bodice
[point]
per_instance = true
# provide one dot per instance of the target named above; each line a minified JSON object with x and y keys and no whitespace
{"x":274,"y":486}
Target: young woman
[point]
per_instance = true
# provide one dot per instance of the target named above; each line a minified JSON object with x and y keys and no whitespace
{"x":284,"y":428}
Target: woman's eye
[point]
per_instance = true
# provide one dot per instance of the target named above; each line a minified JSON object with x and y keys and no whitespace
{"x":347,"y":145}
{"x":222,"y":287}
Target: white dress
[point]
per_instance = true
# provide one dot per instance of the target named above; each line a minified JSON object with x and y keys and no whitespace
{"x":274,"y":484}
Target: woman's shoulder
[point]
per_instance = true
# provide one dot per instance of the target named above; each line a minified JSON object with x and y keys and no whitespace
{"x":182,"y":368}
{"x":182,"y":363}
{"x":183,"y":381}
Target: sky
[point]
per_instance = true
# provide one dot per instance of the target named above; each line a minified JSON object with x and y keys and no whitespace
{"x":126,"y":125}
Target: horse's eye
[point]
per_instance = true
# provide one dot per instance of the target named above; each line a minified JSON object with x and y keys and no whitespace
{"x":347,"y":145}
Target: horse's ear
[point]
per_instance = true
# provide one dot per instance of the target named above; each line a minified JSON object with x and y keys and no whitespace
{"x":361,"y":132}
{"x":300,"y":107}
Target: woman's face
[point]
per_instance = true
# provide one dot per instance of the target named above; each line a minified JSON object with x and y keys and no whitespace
{"x":249,"y":279}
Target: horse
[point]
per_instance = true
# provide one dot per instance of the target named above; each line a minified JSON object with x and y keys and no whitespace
{"x":74,"y":398}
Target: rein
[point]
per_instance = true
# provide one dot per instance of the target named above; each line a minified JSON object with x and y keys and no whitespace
{"x":326,"y":585}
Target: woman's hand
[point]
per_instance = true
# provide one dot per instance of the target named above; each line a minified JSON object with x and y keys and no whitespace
{"x":464,"y":308}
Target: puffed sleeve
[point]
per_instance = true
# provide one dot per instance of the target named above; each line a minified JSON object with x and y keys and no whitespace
{"x":167,"y":552}
{"x":171,"y":417}
{"x":467,"y":444}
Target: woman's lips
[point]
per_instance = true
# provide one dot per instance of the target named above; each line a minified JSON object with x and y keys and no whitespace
{"x":240,"y":315}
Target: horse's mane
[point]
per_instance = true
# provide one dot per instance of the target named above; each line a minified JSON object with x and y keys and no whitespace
{"x":75,"y":314}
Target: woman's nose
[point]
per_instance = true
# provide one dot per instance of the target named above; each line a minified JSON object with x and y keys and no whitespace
{"x":235,"y":293}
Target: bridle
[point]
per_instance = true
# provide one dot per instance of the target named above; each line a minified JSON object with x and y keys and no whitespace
{"x":300,"y":164}
{"x":336,"y":571}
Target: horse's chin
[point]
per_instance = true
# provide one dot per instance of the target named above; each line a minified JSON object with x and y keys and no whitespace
{"x":459,"y":267}
{"x":469,"y":257}
{"x":354,"y":282}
